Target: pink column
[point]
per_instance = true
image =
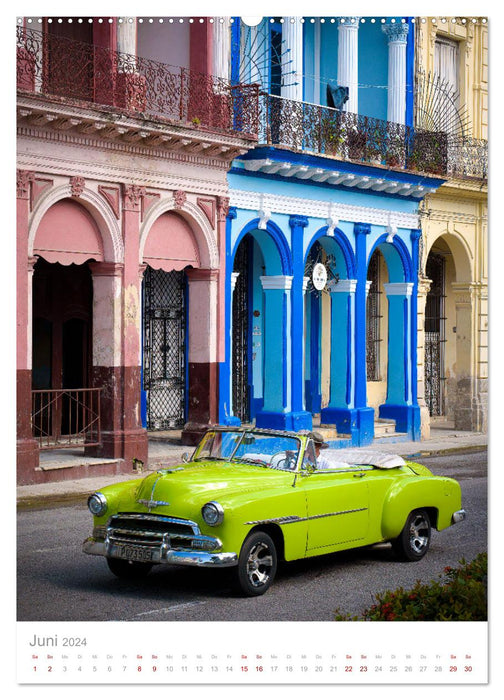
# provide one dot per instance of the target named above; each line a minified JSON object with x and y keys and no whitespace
{"x":222,"y":212}
{"x":135,"y":437}
{"x":27,"y":447}
{"x":203,"y":368}
{"x":116,"y":342}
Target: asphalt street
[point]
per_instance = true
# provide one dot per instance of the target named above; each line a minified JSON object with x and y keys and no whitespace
{"x":57,"y":582}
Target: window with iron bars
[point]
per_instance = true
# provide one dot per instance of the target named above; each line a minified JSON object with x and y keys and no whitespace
{"x":373,"y":318}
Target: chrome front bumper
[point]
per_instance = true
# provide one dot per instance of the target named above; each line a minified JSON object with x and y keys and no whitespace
{"x":458,"y":516}
{"x":164,"y":555}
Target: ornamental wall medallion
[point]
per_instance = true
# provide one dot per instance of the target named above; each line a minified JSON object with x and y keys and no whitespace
{"x":132,"y":196}
{"x":180,"y":198}
{"x":77,"y":185}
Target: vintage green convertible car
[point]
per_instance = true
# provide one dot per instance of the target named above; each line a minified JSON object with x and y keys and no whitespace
{"x":249,"y":497}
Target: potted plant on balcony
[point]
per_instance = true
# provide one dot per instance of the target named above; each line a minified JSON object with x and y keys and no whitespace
{"x":356,"y":142}
{"x":395,"y":152}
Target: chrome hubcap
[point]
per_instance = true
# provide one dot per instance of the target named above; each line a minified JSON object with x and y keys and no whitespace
{"x":259,"y":564}
{"x":419,"y":534}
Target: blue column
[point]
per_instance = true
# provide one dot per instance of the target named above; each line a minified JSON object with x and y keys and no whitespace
{"x":301,"y":419}
{"x":342,"y":367}
{"x":276,"y":411}
{"x":225,"y":394}
{"x":399,"y":405}
{"x":362,"y":417}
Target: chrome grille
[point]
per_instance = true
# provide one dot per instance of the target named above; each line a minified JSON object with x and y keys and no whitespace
{"x":151,"y":530}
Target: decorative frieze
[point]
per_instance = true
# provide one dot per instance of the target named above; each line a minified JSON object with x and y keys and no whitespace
{"x":281,"y":204}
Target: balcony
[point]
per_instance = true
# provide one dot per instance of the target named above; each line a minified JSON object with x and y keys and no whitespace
{"x":80,"y":74}
{"x":306,"y":127}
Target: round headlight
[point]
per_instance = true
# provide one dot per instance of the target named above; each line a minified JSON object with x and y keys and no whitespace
{"x":97,"y":504}
{"x":213,"y":513}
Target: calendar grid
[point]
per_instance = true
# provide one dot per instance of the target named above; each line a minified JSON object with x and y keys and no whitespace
{"x":262,"y":653}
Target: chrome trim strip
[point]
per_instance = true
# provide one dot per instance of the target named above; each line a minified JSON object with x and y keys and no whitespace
{"x":287,"y":519}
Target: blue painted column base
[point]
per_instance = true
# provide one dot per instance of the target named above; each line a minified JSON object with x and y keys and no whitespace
{"x":407,"y":418}
{"x":293,"y":420}
{"x":356,"y":422}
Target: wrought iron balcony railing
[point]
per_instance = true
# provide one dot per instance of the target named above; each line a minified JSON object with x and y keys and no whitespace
{"x":303,"y":126}
{"x":77,"y":71}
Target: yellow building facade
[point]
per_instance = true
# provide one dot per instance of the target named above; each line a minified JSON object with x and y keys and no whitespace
{"x":452,"y":86}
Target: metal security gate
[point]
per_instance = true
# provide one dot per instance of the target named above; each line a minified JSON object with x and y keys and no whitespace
{"x":373,"y":318}
{"x":239,"y":358}
{"x":435,"y":335}
{"x":164,"y":366}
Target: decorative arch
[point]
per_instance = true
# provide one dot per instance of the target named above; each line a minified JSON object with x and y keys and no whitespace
{"x":344,"y":245}
{"x":97,"y":207}
{"x":397,"y":257}
{"x":462,"y":255}
{"x":199,"y":226}
{"x":272,"y":240}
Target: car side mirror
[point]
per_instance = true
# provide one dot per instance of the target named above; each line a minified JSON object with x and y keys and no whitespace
{"x":185,"y":457}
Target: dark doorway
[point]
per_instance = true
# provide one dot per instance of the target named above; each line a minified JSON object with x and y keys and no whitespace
{"x":164,"y":346}
{"x":61,"y":355}
{"x":240,"y":340}
{"x":435,"y":335}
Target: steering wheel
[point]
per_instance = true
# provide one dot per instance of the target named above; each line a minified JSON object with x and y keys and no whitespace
{"x":285,"y":459}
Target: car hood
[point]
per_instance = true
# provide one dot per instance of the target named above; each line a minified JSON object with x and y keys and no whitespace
{"x":198,"y":482}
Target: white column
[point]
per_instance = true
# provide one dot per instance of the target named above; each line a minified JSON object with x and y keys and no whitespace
{"x":127,"y":35}
{"x":221,"y":47}
{"x":348,"y":74}
{"x":397,"y":38}
{"x":292,"y":59}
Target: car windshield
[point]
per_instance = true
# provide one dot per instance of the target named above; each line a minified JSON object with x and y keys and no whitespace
{"x":267,"y":450}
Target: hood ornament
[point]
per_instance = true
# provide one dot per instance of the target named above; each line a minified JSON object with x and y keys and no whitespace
{"x":151,"y":504}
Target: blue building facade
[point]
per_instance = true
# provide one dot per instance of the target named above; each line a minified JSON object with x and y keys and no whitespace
{"x":307,"y":214}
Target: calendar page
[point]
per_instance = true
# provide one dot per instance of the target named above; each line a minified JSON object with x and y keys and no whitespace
{"x":252,"y":349}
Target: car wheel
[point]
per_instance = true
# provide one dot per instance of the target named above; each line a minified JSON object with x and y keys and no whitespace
{"x":413,"y":542}
{"x":130,"y":570}
{"x":257,"y":564}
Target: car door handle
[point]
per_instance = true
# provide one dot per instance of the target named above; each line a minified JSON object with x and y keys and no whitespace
{"x":359,"y":475}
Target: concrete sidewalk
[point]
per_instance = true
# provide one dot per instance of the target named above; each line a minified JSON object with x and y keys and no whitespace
{"x":163,"y":453}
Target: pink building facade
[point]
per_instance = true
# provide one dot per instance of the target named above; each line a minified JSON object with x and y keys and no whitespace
{"x":121,"y":212}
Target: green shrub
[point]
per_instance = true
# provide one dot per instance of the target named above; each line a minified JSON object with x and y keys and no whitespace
{"x":458,"y":594}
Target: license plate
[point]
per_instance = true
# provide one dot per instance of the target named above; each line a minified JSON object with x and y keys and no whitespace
{"x":126,"y":551}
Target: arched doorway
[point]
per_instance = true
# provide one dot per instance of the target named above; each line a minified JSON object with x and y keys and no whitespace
{"x":449,"y":372}
{"x":391,"y":336}
{"x":260,"y":388}
{"x":170,"y":250}
{"x":64,"y":404}
{"x":329,"y":324}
